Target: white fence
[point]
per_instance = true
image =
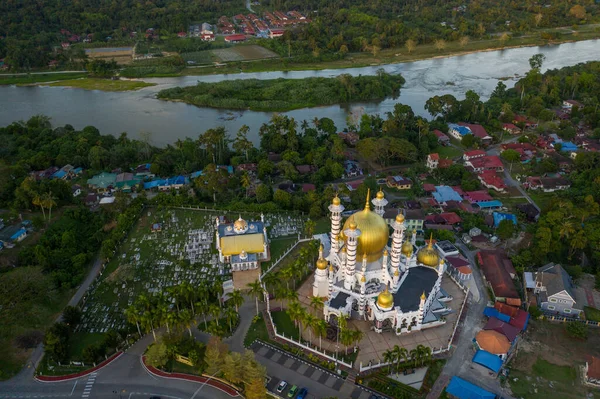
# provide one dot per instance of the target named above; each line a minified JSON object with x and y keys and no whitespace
{"x":290,"y":249}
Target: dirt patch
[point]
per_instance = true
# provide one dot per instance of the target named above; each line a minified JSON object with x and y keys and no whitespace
{"x":122,"y":55}
{"x":243,"y":53}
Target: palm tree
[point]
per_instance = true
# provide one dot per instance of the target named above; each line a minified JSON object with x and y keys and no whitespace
{"x":176,"y":291}
{"x":215,"y":312}
{"x":320,"y":329}
{"x":281,"y":293}
{"x":186,"y":318}
{"x":49,"y":201}
{"x":230,"y":314}
{"x":414,"y":355}
{"x":287,"y":274}
{"x":309,"y":322}
{"x":217,"y":289}
{"x":296,"y":313}
{"x":256,"y":289}
{"x":147,"y":320}
{"x":37,"y":201}
{"x":246,"y":181}
{"x":309,"y":228}
{"x":316,"y":303}
{"x":270,"y":280}
{"x":237,"y":299}
{"x":425,"y":353}
{"x":133,"y":316}
{"x":389,"y":356}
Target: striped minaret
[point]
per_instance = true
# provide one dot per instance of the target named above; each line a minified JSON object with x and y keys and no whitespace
{"x":397,"y":238}
{"x":352,"y":233}
{"x":336,"y":209}
{"x":330,"y":288}
{"x":379,"y":202}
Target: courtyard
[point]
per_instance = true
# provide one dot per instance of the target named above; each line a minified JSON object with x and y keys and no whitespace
{"x":373,"y":345}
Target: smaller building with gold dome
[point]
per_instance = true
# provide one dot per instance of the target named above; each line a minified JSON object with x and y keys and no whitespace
{"x":244,"y":245}
{"x":370,"y":273}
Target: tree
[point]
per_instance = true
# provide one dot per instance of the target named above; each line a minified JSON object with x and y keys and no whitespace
{"x":309,"y":227}
{"x":282,"y":198}
{"x":49,"y":202}
{"x":231,"y":315}
{"x":536,"y":61}
{"x":71,"y":316}
{"x":468,"y":140}
{"x":410,"y":45}
{"x":504,"y":38}
{"x":241,"y":143}
{"x":215,"y":312}
{"x":232,"y":367}
{"x":256,"y":289}
{"x":133,"y":316}
{"x":37,"y":201}
{"x":317,"y":303}
{"x":56,"y":342}
{"x":577,"y":330}
{"x":214,"y":356}
{"x":511,"y":156}
{"x":246,"y":181}
{"x":90,"y":354}
{"x":464,"y":41}
{"x":157,"y":355}
{"x":505,"y":229}
{"x":578,"y":11}
{"x":236,"y":298}
{"x":440,"y":44}
{"x":186,"y":318}
{"x":263,"y":193}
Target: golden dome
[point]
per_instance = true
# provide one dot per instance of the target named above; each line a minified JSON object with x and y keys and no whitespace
{"x":380,"y":194}
{"x":363,"y":279}
{"x":385,"y":252}
{"x":385,"y":300}
{"x":407,"y":248}
{"x":240,"y":224}
{"x":373,"y":232}
{"x":396,"y":273}
{"x":428,"y":256}
{"x":331,"y":267}
{"x":423,"y":297}
{"x":321,"y":264}
{"x":400,"y":218}
{"x":336,"y":200}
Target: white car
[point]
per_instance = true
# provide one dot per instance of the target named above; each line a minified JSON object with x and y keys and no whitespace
{"x":281,"y":386}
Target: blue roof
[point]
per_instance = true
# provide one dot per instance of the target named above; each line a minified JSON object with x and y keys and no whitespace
{"x":486,"y":359}
{"x":19,"y":233}
{"x":500,"y":216}
{"x":446,"y":193}
{"x":465,"y":390}
{"x":493,"y":312}
{"x":462,"y":130}
{"x":489,"y":204}
{"x":59,"y":174}
{"x":196,"y":174}
{"x":568,"y":146}
{"x":154,"y":184}
{"x":78,"y":170}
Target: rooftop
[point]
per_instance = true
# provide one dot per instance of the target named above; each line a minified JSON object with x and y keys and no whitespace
{"x":420,"y":279}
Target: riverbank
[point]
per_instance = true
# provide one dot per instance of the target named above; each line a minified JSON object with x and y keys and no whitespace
{"x":401,"y":55}
{"x":28,"y":79}
{"x":102,"y":84}
{"x":280,"y":95}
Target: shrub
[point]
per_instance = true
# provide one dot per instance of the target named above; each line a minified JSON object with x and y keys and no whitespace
{"x":577,"y":330}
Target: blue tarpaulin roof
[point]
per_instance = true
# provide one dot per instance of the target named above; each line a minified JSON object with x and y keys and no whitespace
{"x":486,"y":359}
{"x":196,"y":174}
{"x":492,"y":312}
{"x":59,"y":174}
{"x":489,"y":204}
{"x":499,"y":216}
{"x":446,"y":193}
{"x":18,"y":234}
{"x":465,"y":390}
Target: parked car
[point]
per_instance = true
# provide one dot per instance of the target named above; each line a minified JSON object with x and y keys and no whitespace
{"x":292,"y":391}
{"x":302,"y":394}
{"x":281,"y":386}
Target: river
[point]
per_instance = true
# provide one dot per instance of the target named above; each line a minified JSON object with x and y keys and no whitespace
{"x":140,"y":111}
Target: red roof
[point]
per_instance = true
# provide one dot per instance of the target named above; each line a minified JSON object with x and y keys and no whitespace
{"x":593,"y":367}
{"x":509,"y":126}
{"x":439,"y":134}
{"x":428,"y":187}
{"x":474,"y":153}
{"x":477,"y":130}
{"x":490,"y":178}
{"x":451,"y":217}
{"x":478,"y":196}
{"x":487,"y":162}
{"x":306,"y":187}
{"x":495,"y":267}
{"x":505,"y":329}
{"x":506,"y":309}
{"x":445,"y":163}
{"x":238,"y":38}
{"x":435,"y":156}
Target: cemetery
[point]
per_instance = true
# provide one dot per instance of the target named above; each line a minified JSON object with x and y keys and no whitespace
{"x":167,"y":247}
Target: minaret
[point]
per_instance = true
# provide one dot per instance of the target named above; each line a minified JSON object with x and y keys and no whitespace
{"x":363,"y":284}
{"x":331,"y":273}
{"x":320,"y":285}
{"x":380,"y":202}
{"x":413,"y":239}
{"x":421,"y":310}
{"x":336,"y":209}
{"x":397,"y":238}
{"x":384,"y":266}
{"x":352,"y":233}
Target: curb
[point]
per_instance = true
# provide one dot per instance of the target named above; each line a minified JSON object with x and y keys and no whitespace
{"x":186,"y":377}
{"x":68,"y":377}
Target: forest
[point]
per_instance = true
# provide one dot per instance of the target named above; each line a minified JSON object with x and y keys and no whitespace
{"x":287,"y":94}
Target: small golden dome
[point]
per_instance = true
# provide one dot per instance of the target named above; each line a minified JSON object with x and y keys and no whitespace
{"x":385,"y":252}
{"x":400,"y":218}
{"x":240,"y":224}
{"x":363,"y":279}
{"x":414,"y":231}
{"x":352,"y":225}
{"x":385,"y":300}
{"x":321,"y":247}
{"x":331,"y":267}
{"x":423,"y":297}
{"x":428,"y":256}
{"x":336,"y":200}
{"x":321,"y":264}
{"x":344,"y":249}
{"x":380,"y":194}
{"x":407,"y":248}
{"x":396,"y":273}
{"x":364,"y":256}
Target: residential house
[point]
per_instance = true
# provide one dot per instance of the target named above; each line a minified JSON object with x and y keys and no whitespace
{"x":442,"y":194}
{"x":504,"y":328}
{"x":555,"y":291}
{"x":493,"y":342}
{"x":491,"y":181}
{"x":353,"y":185}
{"x":477,"y":196}
{"x":104,"y":182}
{"x":143,"y":170}
{"x":511,"y":128}
{"x":127,"y":181}
{"x":500,"y":216}
{"x":442,"y":138}
{"x":414,"y":219}
{"x":527,"y":123}
{"x":76,"y":190}
{"x":457,"y":131}
{"x":490,"y":162}
{"x":273,"y":33}
{"x":429,"y":188}
{"x":433,"y":160}
{"x":478,"y":131}
{"x":399,"y":182}
{"x":308,"y":187}
{"x":207,"y":29}
{"x":547,"y":184}
{"x":473,"y":154}
{"x":518,"y":317}
{"x":569,"y":104}
{"x":591,"y":370}
{"x":459,"y":267}
{"x":91,"y":199}
{"x":304,"y":169}
{"x":13,"y":234}
{"x":247,"y":167}
{"x":443,"y":219}
{"x":498,"y":272}
{"x":445,"y":163}
{"x":235,"y":38}
{"x":446,"y":248}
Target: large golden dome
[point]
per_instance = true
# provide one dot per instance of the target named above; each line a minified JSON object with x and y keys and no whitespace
{"x":240,"y":224}
{"x":428,"y":256}
{"x":385,"y":300}
{"x":373,"y":232}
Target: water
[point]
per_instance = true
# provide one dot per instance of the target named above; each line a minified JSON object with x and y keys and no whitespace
{"x":140,"y":111}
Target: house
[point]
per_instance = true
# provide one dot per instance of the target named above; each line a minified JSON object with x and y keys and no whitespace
{"x":156,"y":227}
{"x":181,"y":35}
{"x":511,"y":128}
{"x":446,"y":248}
{"x":477,"y":196}
{"x":429,"y":188}
{"x":308,"y":187}
{"x":500,"y":216}
{"x":91,"y":199}
{"x":569,"y":104}
{"x":547,"y":184}
{"x":458,"y":131}
{"x":463,"y":389}
{"x":76,"y":190}
{"x":143,"y":170}
{"x":491,"y":181}
{"x":478,"y":131}
{"x":13,"y":234}
{"x":247,"y":167}
{"x":555,"y":291}
{"x":493,"y":342}
{"x":450,"y":218}
{"x":468,"y":155}
{"x":530,"y":211}
{"x":126,"y":182}
{"x":459,"y":267}
{"x":591,"y":370}
{"x":353,"y":185}
{"x":273,"y":33}
{"x":304,"y":169}
{"x":235,"y":38}
{"x":107,"y":200}
{"x":442,"y":138}
{"x":207,"y":37}
{"x":442,"y":194}
{"x":103,"y":182}
{"x":490,"y":162}
{"x":433,"y":160}
{"x":527,"y":123}
{"x":413,"y":219}
{"x":518,"y":317}
{"x":207,"y":29}
{"x":503,"y":328}
{"x":399,"y":182}
{"x":498,"y":272}
{"x":445,"y":163}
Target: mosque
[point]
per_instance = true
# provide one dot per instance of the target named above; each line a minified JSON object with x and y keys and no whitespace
{"x":370,"y":274}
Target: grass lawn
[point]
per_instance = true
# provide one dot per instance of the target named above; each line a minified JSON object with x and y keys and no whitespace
{"x":53,"y":369}
{"x":278,"y":247}
{"x":591,"y":313}
{"x":8,"y":79}
{"x":541,"y":199}
{"x":80,"y":340}
{"x":257,"y":330}
{"x":550,"y":381}
{"x":103,"y":84}
{"x":285,"y":325}
{"x":323,"y":225}
{"x":448,"y":151}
